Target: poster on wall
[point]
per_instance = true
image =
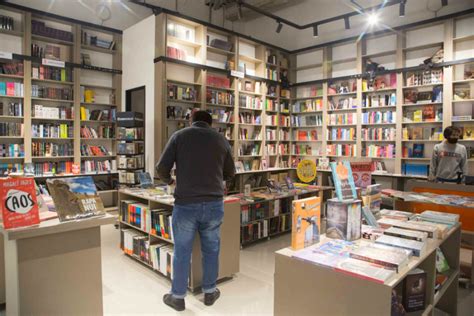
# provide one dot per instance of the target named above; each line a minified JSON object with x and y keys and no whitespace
{"x":362,"y":173}
{"x":19,"y":204}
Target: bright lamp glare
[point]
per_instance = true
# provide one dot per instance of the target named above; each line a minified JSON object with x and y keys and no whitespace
{"x":373,"y":19}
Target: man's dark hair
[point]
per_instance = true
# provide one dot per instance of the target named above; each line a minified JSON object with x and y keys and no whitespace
{"x":202,"y":116}
{"x":448,"y":131}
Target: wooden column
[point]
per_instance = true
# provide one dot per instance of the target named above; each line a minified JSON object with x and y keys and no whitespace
{"x":448,"y":73}
{"x":27,"y":111}
{"x":400,"y":100}
{"x":327,"y":73}
{"x":359,"y":69}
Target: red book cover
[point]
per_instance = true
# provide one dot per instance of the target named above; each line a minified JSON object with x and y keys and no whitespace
{"x":19,"y":205}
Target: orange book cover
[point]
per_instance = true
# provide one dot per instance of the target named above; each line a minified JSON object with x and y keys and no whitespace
{"x":306,"y":222}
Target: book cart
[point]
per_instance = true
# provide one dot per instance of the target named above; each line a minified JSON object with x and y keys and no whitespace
{"x":303,"y":288}
{"x":230,"y":251}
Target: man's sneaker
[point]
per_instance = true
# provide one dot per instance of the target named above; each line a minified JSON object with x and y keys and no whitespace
{"x":175,"y":303}
{"x":210,"y":298}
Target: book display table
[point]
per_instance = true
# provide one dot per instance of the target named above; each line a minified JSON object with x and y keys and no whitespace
{"x":229,"y":257}
{"x":304,"y":288}
{"x":54,"y":268}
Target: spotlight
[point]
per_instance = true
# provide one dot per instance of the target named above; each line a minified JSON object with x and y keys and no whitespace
{"x":347,"y":23}
{"x":444,"y":3}
{"x":279,"y":27}
{"x":373,"y":19}
{"x":402,"y":8}
{"x":315,"y":30}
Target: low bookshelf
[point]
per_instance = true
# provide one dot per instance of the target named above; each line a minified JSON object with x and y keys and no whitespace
{"x":133,"y":200}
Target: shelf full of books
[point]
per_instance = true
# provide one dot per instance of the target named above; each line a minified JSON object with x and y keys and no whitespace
{"x":64,"y":113}
{"x":130,"y":147}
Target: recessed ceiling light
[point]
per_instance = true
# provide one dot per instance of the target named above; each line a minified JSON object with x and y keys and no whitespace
{"x":372,"y":19}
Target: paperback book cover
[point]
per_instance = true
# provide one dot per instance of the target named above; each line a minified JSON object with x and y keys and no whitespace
{"x":344,"y":219}
{"x":362,"y":173}
{"x":75,"y":198}
{"x":343,"y":180}
{"x":389,"y":259}
{"x":414,"y":291}
{"x":306,"y":222}
{"x":407,"y":234}
{"x":19,"y":204}
{"x":417,"y":247}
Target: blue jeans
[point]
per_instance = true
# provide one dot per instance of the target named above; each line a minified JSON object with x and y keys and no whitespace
{"x":205,"y":218}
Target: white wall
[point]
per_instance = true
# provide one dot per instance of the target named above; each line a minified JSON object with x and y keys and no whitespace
{"x":138,"y":70}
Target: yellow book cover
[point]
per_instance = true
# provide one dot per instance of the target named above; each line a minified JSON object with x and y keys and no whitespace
{"x":418,"y":116}
{"x":306,"y":222}
{"x":89,"y":96}
{"x":83,"y":113}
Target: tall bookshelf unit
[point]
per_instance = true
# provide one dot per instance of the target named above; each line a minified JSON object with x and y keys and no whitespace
{"x":60,"y":127}
{"x":401,"y":113}
{"x":248,"y":108}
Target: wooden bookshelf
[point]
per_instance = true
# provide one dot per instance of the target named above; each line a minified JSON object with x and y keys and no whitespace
{"x":70,"y":53}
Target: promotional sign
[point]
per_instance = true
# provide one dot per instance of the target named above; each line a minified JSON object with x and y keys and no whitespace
{"x":237,"y":74}
{"x":18,"y":202}
{"x":362,"y":173}
{"x":6,"y":55}
{"x":306,"y":170}
{"x":53,"y":63}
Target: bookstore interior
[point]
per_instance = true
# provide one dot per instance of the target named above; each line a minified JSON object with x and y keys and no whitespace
{"x":349,"y":126}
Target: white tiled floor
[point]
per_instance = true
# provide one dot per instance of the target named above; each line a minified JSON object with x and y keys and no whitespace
{"x":132,"y":289}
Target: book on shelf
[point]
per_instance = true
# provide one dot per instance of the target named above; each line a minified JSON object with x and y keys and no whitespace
{"x":307,"y":106}
{"x":343,"y":180}
{"x":51,"y":73}
{"x":342,"y":119}
{"x":341,"y":150}
{"x":135,"y":162}
{"x":219,"y":97}
{"x":92,"y":40}
{"x":49,"y":149}
{"x":11,"y":108}
{"x":379,"y":133}
{"x":344,"y":219}
{"x":442,"y":264}
{"x":176,"y":53}
{"x":52,"y":130}
{"x":182,"y":92}
{"x":11,"y":89}
{"x":11,"y":129}
{"x":306,"y":120}
{"x":414,"y":290}
{"x":379,"y":151}
{"x":41,"y":169}
{"x":38,"y":91}
{"x":415,"y":169}
{"x":379,"y":100}
{"x":250,"y":102}
{"x":94,"y":151}
{"x":7,"y":23}
{"x":75,"y":198}
{"x":306,"y":222}
{"x":12,"y":150}
{"x":50,"y":112}
{"x":92,"y":166}
{"x":98,"y":132}
{"x":47,"y":51}
{"x":108,"y":115}
{"x":129,"y":177}
{"x":467,"y":132}
{"x":343,"y":104}
{"x":341,"y":134}
{"x":12,"y":68}
{"x":379,"y":117}
{"x":40,"y":28}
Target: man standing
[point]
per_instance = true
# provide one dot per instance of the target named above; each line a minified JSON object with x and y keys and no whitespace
{"x":203,"y":159}
{"x":449,"y":160}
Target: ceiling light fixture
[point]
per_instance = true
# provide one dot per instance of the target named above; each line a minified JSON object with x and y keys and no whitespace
{"x":402,"y":9}
{"x":347,"y":23}
{"x":373,"y":19}
{"x":315,"y":30}
{"x":444,"y":3}
{"x":279,"y":27}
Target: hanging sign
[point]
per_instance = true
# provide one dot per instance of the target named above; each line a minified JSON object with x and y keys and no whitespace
{"x":54,"y":63}
{"x":238,"y":74}
{"x":6,"y":55}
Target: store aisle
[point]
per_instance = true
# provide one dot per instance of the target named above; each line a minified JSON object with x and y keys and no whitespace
{"x":133,"y":289}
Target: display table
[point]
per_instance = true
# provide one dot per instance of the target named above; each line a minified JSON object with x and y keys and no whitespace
{"x":54,"y":268}
{"x":229,"y":257}
{"x":304,"y":288}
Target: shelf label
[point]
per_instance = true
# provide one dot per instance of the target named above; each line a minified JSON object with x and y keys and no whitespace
{"x":238,"y":74}
{"x":5,"y":55}
{"x":54,"y":63}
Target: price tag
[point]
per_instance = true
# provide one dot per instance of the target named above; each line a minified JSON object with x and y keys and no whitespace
{"x":6,"y":55}
{"x":238,"y":74}
{"x":54,"y":63}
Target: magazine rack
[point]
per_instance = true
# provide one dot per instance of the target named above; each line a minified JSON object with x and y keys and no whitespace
{"x":303,"y":288}
{"x":54,"y":268}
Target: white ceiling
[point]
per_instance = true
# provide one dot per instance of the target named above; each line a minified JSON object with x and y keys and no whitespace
{"x":124,"y":14}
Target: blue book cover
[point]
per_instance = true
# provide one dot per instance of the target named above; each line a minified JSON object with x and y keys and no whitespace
{"x":343,"y":180}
